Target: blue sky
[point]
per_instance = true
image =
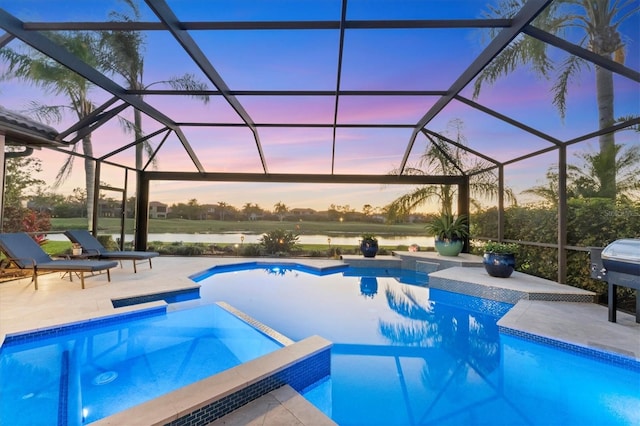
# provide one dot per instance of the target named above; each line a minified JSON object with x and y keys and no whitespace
{"x":428,"y":59}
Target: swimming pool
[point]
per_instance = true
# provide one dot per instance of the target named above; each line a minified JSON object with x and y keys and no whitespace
{"x":82,"y":373}
{"x":403,"y":354}
{"x":407,"y":355}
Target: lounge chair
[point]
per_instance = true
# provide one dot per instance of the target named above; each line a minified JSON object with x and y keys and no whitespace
{"x":25,"y":253}
{"x":93,"y":247}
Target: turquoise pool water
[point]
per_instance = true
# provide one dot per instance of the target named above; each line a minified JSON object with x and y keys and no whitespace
{"x":80,"y":374}
{"x":403,"y":355}
{"x":407,"y":355}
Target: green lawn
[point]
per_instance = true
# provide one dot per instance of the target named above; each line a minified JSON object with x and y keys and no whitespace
{"x":184,"y":226}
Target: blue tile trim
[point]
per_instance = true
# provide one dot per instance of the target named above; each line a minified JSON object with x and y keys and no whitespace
{"x":63,"y":390}
{"x":168,"y":296}
{"x":61,"y":330}
{"x":299,"y":376}
{"x":243,"y":266}
{"x":599,"y":355}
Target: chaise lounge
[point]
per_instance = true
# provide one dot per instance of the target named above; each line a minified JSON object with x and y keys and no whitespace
{"x":22,"y":251}
{"x":92,"y":247}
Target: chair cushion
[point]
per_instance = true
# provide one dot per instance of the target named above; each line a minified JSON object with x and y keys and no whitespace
{"x":128,"y":254}
{"x":77,"y":265}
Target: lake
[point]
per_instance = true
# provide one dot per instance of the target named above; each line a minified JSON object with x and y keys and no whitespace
{"x":236,"y":238}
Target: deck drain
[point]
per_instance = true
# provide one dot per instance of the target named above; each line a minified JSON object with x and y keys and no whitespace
{"x":104,"y":378}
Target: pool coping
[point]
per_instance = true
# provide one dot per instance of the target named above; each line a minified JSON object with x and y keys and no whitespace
{"x":211,"y":398}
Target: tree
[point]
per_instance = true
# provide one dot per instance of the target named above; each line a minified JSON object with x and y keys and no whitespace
{"x":20,"y":175}
{"x":123,"y":54}
{"x":223,"y":209}
{"x":194,"y":209}
{"x":251,"y":211}
{"x":442,"y":158}
{"x":40,"y":70}
{"x":599,"y":21}
{"x":584,"y":178}
{"x":281,"y":210}
{"x":20,"y":178}
{"x":43,"y":201}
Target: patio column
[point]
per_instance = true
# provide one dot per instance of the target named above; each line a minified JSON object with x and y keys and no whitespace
{"x":2,"y":170}
{"x":96,"y":200}
{"x":464,"y":205}
{"x":142,"y":211}
{"x":500,"y":202}
{"x":562,"y":214}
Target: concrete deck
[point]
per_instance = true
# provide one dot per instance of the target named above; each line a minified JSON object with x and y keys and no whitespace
{"x":59,"y":301}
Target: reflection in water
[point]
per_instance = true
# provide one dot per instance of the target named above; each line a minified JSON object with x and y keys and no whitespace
{"x":463,"y":339}
{"x":368,"y":286}
{"x":277,"y":270}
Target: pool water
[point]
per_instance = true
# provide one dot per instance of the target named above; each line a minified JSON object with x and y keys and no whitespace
{"x":85,"y":374}
{"x":407,"y":355}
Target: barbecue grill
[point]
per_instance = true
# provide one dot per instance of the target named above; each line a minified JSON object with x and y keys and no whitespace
{"x":619,"y":265}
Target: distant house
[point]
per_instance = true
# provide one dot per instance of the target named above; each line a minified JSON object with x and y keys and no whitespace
{"x":302,"y":212}
{"x":109,"y":208}
{"x":209,"y":211}
{"x":158,"y":210}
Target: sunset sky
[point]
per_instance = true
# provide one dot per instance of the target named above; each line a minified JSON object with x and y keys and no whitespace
{"x":426,"y":59}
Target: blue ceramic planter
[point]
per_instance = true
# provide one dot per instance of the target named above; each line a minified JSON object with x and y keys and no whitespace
{"x":499,"y":265}
{"x":369,"y":248}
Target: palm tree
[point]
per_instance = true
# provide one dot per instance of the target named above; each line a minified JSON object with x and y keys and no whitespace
{"x":35,"y":68}
{"x":460,"y":339}
{"x":441,"y":158}
{"x":123,"y":54}
{"x":584,"y":178}
{"x":548,"y":192}
{"x":281,"y":210}
{"x":599,"y":21}
{"x":223,"y":208}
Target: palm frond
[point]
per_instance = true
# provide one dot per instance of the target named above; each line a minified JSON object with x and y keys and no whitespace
{"x":572,"y":65}
{"x":66,"y":169}
{"x":45,"y":113}
{"x":408,"y":308}
{"x":189,"y":82}
{"x":626,"y":118}
{"x":129,"y":126}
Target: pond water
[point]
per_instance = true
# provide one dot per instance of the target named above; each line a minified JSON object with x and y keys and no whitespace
{"x":233,"y":238}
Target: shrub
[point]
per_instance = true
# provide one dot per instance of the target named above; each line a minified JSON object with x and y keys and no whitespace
{"x":108,"y":242}
{"x":279,"y":241}
{"x":251,"y":250}
{"x":500,"y":248}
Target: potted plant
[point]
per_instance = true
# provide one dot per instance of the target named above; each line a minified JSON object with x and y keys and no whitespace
{"x":369,"y":245}
{"x":499,"y":259}
{"x":449,"y":233}
{"x":76,"y":249}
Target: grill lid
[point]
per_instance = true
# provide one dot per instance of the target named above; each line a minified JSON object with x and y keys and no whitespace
{"x":622,"y":256}
{"x":625,"y":250}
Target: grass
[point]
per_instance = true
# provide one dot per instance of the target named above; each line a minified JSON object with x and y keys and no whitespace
{"x":184,"y":226}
